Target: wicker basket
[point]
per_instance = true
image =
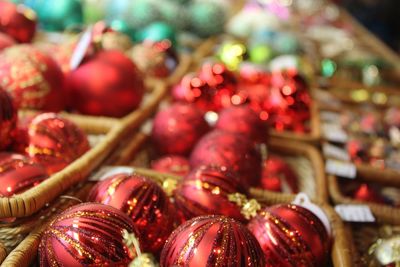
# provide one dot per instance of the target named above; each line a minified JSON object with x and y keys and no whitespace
{"x":3,"y":253}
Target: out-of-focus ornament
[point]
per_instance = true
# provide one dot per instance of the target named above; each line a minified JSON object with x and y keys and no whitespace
{"x":278,"y":176}
{"x":88,"y":234}
{"x":212,"y":241}
{"x":142,"y":200}
{"x":385,"y":250}
{"x":113,"y":40}
{"x":5,"y":41}
{"x":144,"y":260}
{"x":143,"y":13}
{"x":206,"y":189}
{"x":8,"y":119}
{"x":260,"y":53}
{"x":177,"y":129}
{"x":232,"y":54}
{"x":18,"y":21}
{"x":33,"y":79}
{"x":55,"y":142}
{"x":173,"y":164}
{"x":206,"y":18}
{"x":392,"y":117}
{"x":118,"y":91}
{"x":328,"y":67}
{"x":157,"y":32}
{"x":61,"y":53}
{"x":367,"y":193}
{"x":174,"y":14}
{"x":93,"y":10}
{"x":231,"y":150}
{"x":19,"y":173}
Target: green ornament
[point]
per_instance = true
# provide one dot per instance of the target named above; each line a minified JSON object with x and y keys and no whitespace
{"x":286,"y":43}
{"x":232,"y":54}
{"x":122,"y":26}
{"x":157,"y":31}
{"x":328,"y":68}
{"x":93,"y":10}
{"x":142,"y":13}
{"x":207,"y":18}
{"x":180,"y":2}
{"x":261,"y":54}
{"x":174,"y":14}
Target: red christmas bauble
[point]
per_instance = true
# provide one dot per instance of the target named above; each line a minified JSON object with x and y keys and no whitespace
{"x":33,"y":79}
{"x":171,"y":164}
{"x":177,"y":129}
{"x":88,"y":234}
{"x":212,"y":241}
{"x":278,"y":176}
{"x":5,"y":41}
{"x":8,"y":119}
{"x":144,"y":202}
{"x":18,"y":173}
{"x":17,"y":21}
{"x":55,"y":142}
{"x":205,"y":191}
{"x":61,"y":53}
{"x":291,"y":236}
{"x":242,"y":119}
{"x":20,"y":141}
{"x":231,"y":150}
{"x":367,"y":193}
{"x":116,"y":92}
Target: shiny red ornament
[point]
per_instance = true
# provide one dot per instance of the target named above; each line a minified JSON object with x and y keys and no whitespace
{"x":171,"y":164}
{"x":55,"y":142}
{"x":89,"y":234}
{"x":144,"y":202}
{"x":61,"y":53}
{"x":33,"y":79}
{"x":177,"y":129}
{"x":109,"y":84}
{"x":5,"y":41}
{"x":20,"y":141}
{"x":243,"y":120}
{"x":19,"y":173}
{"x":367,"y":193}
{"x":278,"y":176}
{"x":291,"y":236}
{"x":212,"y":241}
{"x":17,"y":21}
{"x":205,"y":191}
{"x":8,"y":119}
{"x":231,"y":150}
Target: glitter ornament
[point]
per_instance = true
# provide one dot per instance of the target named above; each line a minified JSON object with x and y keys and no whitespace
{"x":142,"y":200}
{"x":117,"y":92}
{"x":206,"y":189}
{"x":18,"y":173}
{"x":243,"y":120}
{"x":230,"y":150}
{"x":206,"y":18}
{"x":18,"y":21}
{"x":177,"y":129}
{"x":171,"y":164}
{"x":278,"y":176}
{"x":8,"y":119}
{"x":291,"y":236}
{"x":212,"y":241}
{"x":20,"y":141}
{"x":5,"y":41}
{"x":88,"y":234}
{"x":33,"y":79}
{"x":55,"y":142}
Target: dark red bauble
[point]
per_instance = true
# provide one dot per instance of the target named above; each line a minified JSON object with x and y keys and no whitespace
{"x":205,"y":191}
{"x":20,"y":141}
{"x":33,"y":79}
{"x":8,"y":119}
{"x":5,"y":41}
{"x":19,"y":173}
{"x":109,"y":84}
{"x":171,"y":164}
{"x":278,"y":176}
{"x":367,"y":193}
{"x":17,"y":21}
{"x":89,"y":234}
{"x":242,"y":119}
{"x":177,"y":129}
{"x":212,"y":241}
{"x":144,"y":202}
{"x":231,"y":150}
{"x":55,"y":142}
{"x":291,"y":236}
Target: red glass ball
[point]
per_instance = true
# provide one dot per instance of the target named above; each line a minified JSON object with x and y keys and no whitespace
{"x":109,"y":84}
{"x":8,"y":119}
{"x":368,"y":193}
{"x":177,"y":129}
{"x":212,"y":241}
{"x":291,"y":236}
{"x":17,"y":21}
{"x":88,"y":234}
{"x":5,"y":41}
{"x":242,"y":119}
{"x":144,"y":202}
{"x":205,"y":191}
{"x":19,"y":173}
{"x":20,"y":141}
{"x":277,"y":175}
{"x":171,"y":164}
{"x":231,"y":150}
{"x":33,"y":79}
{"x":55,"y":142}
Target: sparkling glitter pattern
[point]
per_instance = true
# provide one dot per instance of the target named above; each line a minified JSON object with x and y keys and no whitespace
{"x":212,"y":241}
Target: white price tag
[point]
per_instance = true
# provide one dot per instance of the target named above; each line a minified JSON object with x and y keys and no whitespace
{"x":333,"y":132}
{"x":330,"y":116}
{"x":355,"y":213}
{"x":81,"y":48}
{"x":332,"y":151}
{"x":108,"y":171}
{"x":341,"y":168}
